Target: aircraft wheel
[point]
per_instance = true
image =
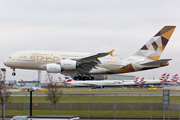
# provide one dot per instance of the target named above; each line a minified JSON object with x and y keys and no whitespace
{"x":88,"y":78}
{"x":75,"y":78}
{"x":79,"y":77}
{"x":92,"y":78}
{"x":13,"y":73}
{"x":83,"y":78}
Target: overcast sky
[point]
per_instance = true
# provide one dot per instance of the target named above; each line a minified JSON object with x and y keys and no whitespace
{"x":90,"y":26}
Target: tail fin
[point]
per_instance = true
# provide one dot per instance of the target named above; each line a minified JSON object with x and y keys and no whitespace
{"x":177,"y":80}
{"x":163,"y":77}
{"x":174,"y":78}
{"x":167,"y":76}
{"x":136,"y":80}
{"x":142,"y":81}
{"x":59,"y":78}
{"x":68,"y":78}
{"x":155,"y":46}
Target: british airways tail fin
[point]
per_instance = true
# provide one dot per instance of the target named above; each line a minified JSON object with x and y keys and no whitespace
{"x":68,"y":78}
{"x":142,"y":79}
{"x":167,"y":76}
{"x":136,"y":80}
{"x":174,"y":78}
{"x":163,"y":77}
{"x":155,"y":46}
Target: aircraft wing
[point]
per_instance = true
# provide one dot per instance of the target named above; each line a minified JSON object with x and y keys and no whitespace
{"x":157,"y":62}
{"x":91,"y":61}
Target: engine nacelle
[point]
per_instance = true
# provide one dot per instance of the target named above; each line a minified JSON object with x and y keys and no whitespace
{"x":68,"y":64}
{"x":53,"y":68}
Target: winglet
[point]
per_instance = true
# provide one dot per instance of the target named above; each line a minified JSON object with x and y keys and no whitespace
{"x":111,"y":53}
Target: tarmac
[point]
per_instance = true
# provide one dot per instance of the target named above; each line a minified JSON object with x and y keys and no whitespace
{"x":109,"y":94}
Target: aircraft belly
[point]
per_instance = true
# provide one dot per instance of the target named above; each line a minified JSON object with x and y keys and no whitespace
{"x":99,"y":70}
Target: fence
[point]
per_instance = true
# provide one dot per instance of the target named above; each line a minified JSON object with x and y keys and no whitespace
{"x":92,"y":106}
{"x":106,"y":106}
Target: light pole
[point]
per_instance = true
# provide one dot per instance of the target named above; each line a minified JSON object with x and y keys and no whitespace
{"x":4,"y":71}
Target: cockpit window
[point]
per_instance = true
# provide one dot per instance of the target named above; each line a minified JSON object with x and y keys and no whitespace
{"x":10,"y":57}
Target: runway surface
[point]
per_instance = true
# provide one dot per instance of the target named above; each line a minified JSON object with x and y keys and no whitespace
{"x":107,"y":94}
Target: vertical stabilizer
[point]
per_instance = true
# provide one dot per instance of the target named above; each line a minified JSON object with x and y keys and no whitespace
{"x":163,"y":77}
{"x":68,"y":78}
{"x":136,"y":80}
{"x":174,"y":78}
{"x":156,"y":45}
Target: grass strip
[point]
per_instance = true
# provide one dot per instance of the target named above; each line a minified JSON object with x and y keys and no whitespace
{"x":97,"y":99}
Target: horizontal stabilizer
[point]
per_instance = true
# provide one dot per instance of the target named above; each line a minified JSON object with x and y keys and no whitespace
{"x":157,"y":62}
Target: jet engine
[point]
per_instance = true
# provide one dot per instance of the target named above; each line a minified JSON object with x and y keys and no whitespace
{"x":53,"y":68}
{"x":68,"y":64}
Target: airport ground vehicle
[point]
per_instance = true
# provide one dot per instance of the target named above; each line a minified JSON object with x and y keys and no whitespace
{"x":19,"y":118}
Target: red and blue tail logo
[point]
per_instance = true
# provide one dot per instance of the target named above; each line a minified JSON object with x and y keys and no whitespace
{"x":163,"y":77}
{"x":59,"y":78}
{"x":70,"y":80}
{"x":167,"y":76}
{"x":175,"y":78}
{"x":142,"y":81}
{"x":136,"y":80}
{"x":67,"y":77}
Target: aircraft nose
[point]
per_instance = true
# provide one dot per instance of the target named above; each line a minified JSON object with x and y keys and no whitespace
{"x":6,"y":62}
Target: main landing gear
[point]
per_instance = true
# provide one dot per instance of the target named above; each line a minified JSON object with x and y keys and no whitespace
{"x":83,"y":77}
{"x":13,"y":74}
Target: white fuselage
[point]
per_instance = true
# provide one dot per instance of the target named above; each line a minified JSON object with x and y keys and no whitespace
{"x":158,"y":82}
{"x":38,"y":60}
{"x":95,"y":83}
{"x":104,"y":83}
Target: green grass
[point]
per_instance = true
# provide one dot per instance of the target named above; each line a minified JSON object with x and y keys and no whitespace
{"x":97,"y":113}
{"x":98,"y":99}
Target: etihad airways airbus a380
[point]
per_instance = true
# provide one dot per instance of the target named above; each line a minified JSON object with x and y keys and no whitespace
{"x":101,"y":63}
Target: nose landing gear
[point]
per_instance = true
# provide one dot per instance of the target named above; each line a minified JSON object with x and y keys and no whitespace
{"x":13,"y":74}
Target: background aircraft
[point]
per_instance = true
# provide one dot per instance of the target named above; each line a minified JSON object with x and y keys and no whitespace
{"x":101,"y":83}
{"x":164,"y":80}
{"x":93,"y":84}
